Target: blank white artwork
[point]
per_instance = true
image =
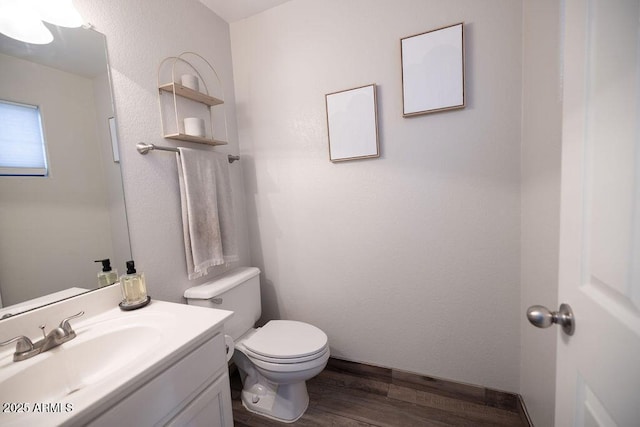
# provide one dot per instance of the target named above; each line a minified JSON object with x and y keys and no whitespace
{"x":433,"y":71}
{"x":353,"y":124}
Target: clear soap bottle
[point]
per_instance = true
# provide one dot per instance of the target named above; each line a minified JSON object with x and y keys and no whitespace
{"x":134,"y":289}
{"x":108,"y":275}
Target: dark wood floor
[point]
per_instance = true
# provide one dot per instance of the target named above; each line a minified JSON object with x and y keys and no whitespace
{"x":346,"y":395}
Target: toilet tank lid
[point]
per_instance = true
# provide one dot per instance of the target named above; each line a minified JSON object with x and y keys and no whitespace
{"x":218,"y":285}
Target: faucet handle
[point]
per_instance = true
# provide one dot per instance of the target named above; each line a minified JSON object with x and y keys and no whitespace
{"x":23,"y":345}
{"x":66,"y":326}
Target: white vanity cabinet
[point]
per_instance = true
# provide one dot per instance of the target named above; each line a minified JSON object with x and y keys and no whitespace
{"x":193,"y":391}
{"x":161,"y":365}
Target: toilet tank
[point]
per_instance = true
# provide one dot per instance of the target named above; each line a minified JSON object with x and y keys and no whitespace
{"x":237,"y":290}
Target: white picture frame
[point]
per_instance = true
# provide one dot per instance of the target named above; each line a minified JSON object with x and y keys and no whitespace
{"x":352,"y":122}
{"x":433,"y":71}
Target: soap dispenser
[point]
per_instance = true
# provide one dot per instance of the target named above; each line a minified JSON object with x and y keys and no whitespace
{"x":107,"y":276}
{"x":134,"y":290}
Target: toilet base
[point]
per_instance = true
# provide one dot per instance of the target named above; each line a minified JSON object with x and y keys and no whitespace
{"x":285,"y":402}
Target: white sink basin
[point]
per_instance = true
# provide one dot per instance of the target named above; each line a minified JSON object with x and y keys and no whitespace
{"x":76,"y":364}
{"x":109,"y":352}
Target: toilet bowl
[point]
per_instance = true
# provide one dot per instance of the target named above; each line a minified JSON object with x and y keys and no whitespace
{"x":275,"y":360}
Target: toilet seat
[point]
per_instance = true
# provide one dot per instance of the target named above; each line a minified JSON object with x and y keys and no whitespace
{"x":286,"y":342}
{"x":285,"y":361}
{"x":291,"y":368}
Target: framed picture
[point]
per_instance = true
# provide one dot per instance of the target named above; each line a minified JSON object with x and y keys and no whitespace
{"x":352,"y":121}
{"x":433,"y":71}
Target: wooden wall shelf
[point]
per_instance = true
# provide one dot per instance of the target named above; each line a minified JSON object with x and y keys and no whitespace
{"x":188,"y":93}
{"x":178,"y":90}
{"x":191,"y":138}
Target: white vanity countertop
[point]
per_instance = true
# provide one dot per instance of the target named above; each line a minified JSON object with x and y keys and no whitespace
{"x":126,"y":348}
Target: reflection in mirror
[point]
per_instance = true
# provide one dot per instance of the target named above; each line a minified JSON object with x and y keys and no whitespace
{"x":53,"y":227}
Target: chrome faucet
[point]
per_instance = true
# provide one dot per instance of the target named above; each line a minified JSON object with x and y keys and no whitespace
{"x":26,"y":349}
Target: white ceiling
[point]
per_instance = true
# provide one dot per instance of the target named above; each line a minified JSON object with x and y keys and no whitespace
{"x":235,"y":10}
{"x":74,"y":50}
{"x":81,"y":51}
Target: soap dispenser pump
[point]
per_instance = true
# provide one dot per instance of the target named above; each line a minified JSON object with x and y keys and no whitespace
{"x":134,"y":289}
{"x":107,"y":276}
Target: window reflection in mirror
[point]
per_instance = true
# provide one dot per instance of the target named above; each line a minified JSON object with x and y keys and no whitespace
{"x":54,"y":227}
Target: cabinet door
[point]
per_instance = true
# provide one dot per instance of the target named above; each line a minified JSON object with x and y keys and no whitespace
{"x":162,"y":397}
{"x":211,"y":408}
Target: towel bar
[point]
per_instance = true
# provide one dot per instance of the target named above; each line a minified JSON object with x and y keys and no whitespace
{"x":144,"y":148}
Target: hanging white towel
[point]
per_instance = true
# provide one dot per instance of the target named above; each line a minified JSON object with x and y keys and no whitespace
{"x":207,"y":210}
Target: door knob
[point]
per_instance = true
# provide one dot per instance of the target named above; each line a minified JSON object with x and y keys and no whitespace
{"x":542,"y":317}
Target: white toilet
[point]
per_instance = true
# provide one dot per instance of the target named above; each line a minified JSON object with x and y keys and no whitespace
{"x":274,"y":361}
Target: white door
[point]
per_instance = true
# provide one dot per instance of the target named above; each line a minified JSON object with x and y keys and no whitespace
{"x":598,"y":368}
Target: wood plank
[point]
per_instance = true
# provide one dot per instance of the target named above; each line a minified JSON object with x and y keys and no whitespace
{"x":344,"y":395}
{"x":332,"y":378}
{"x":446,"y":388}
{"x":317,"y":418}
{"x":240,"y":413}
{"x":360,"y":369}
{"x":502,"y":400}
{"x":192,"y":138}
{"x":189,"y":93}
{"x":472,"y":411}
{"x":379,"y":412}
{"x":382,"y":411}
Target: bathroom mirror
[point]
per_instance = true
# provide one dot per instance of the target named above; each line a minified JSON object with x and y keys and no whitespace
{"x":352,"y":121}
{"x":53,"y":227}
{"x":433,"y":71}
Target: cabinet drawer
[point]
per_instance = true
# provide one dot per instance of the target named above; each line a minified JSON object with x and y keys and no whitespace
{"x":166,"y":394}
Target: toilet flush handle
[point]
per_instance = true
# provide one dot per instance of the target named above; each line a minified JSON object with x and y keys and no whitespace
{"x":216,"y":300}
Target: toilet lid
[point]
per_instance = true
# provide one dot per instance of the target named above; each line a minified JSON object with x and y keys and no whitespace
{"x":286,"y":339}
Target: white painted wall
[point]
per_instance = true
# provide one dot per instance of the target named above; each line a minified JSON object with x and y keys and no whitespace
{"x":409,"y":261}
{"x":38,"y":214}
{"x":140,"y":35}
{"x":541,"y":146}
